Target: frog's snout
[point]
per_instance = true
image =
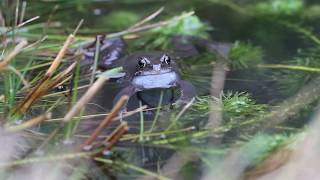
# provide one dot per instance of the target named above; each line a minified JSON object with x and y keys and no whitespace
{"x":156,"y":67}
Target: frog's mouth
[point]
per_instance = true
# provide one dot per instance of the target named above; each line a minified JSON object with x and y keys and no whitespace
{"x":164,"y":78}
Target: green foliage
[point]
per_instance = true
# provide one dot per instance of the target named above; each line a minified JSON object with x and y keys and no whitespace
{"x":120,"y":20}
{"x":236,"y":107}
{"x":245,"y":55}
{"x":203,"y":104}
{"x":290,"y":81}
{"x":191,"y":26}
{"x":260,"y":146}
{"x":280,"y":7}
{"x":240,"y":106}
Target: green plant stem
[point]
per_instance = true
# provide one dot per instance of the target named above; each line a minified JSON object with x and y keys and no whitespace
{"x":48,"y":158}
{"x":157,"y":112}
{"x":132,"y":167}
{"x":96,"y":58}
{"x":303,"y":31}
{"x":290,"y":67}
{"x":141,"y":134}
{"x":70,"y":126}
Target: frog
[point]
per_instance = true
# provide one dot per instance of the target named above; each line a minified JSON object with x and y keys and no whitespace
{"x":146,"y":73}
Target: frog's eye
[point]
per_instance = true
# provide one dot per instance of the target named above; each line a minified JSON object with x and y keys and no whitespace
{"x":142,"y":62}
{"x":165,"y":59}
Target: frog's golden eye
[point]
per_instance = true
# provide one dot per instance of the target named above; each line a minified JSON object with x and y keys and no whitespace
{"x":142,"y":62}
{"x":165,"y":59}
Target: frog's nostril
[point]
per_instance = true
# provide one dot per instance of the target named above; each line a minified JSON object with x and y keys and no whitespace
{"x":156,"y":67}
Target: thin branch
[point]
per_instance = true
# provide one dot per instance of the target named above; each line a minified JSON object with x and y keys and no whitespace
{"x":115,"y":136}
{"x":290,"y":67}
{"x":8,"y":58}
{"x":147,"y":19}
{"x":151,"y":26}
{"x":85,"y":98}
{"x":23,"y":11}
{"x":106,"y":122}
{"x":30,"y":123}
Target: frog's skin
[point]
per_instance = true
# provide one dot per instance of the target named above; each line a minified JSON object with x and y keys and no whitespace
{"x":144,"y":71}
{"x":153,"y":70}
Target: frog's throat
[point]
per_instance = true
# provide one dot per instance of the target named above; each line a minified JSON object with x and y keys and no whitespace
{"x":163,"y":80}
{"x":154,"y":72}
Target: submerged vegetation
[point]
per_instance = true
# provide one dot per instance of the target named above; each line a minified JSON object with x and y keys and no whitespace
{"x":256,"y":109}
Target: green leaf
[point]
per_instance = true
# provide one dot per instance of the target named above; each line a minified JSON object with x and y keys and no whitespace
{"x":112,"y":73}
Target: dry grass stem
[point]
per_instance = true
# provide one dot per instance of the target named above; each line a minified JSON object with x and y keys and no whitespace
{"x":96,"y":86}
{"x":28,"y":21}
{"x":37,"y":42}
{"x":109,"y":119}
{"x":78,"y":27}
{"x":23,"y":11}
{"x":125,"y":114}
{"x":56,"y":62}
{"x":42,"y":86}
{"x":114,"y":132}
{"x":8,"y":58}
{"x":30,"y":123}
{"x":62,"y":77}
{"x":151,"y":26}
{"x":2,"y":21}
{"x":35,"y":93}
{"x":115,"y":136}
{"x":147,"y":19}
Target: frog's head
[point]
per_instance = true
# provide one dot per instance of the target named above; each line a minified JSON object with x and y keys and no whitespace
{"x":155,"y":71}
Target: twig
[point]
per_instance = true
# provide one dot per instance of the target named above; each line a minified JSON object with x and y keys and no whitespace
{"x":147,"y":19}
{"x":30,"y":123}
{"x":16,"y":13}
{"x":132,"y":167}
{"x":109,"y":119}
{"x":56,"y":62}
{"x":37,"y":42}
{"x":115,"y":136}
{"x":2,"y":21}
{"x":7,"y":59}
{"x":78,"y":27}
{"x":20,"y":25}
{"x":62,"y":77}
{"x":151,"y":26}
{"x":85,"y":98}
{"x":47,"y":140}
{"x":28,"y":21}
{"x":187,"y":106}
{"x":58,"y":157}
{"x":96,"y":58}
{"x":291,"y":67}
{"x":141,"y":123}
{"x":126,"y":114}
{"x":23,"y":10}
{"x":44,"y":31}
{"x":157,"y":113}
{"x":42,"y":86}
